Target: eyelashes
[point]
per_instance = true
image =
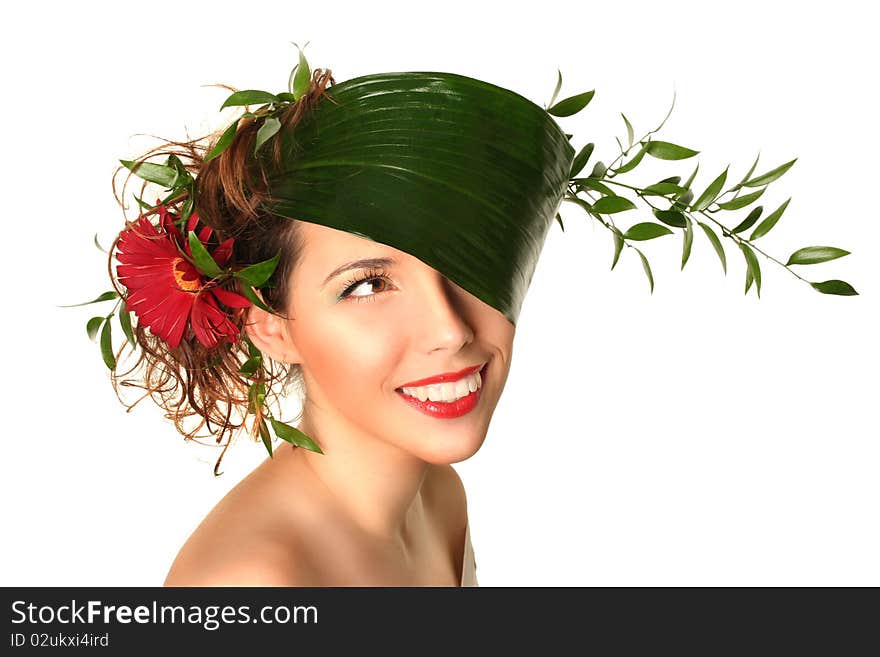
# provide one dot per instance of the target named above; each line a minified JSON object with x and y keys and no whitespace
{"x":371,"y":275}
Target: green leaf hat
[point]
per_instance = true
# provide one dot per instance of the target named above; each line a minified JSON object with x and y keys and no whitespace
{"x":462,"y":174}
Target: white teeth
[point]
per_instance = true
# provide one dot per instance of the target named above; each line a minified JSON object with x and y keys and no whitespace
{"x":448,"y":391}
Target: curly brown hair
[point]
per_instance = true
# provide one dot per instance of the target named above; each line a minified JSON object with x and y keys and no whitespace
{"x":198,"y":387}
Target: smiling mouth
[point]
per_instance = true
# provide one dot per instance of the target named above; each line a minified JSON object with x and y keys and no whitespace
{"x":481,"y":371}
{"x":447,"y":410}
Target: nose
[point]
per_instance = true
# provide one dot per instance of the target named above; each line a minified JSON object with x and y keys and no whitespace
{"x":441,"y":314}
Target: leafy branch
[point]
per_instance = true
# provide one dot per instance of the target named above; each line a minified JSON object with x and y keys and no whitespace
{"x":674,"y":205}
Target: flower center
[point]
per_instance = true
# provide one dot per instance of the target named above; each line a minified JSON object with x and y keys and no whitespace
{"x":184,"y":275}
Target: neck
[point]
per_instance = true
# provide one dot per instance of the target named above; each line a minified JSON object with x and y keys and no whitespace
{"x":374,"y":484}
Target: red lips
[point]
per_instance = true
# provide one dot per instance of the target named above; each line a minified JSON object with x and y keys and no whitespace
{"x":443,"y":378}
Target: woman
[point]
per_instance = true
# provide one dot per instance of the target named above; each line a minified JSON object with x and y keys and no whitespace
{"x":262,"y":267}
{"x":382,"y":505}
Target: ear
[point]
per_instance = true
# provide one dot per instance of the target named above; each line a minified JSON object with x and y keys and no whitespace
{"x":270,"y":334}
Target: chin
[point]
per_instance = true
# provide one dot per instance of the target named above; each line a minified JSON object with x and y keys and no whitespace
{"x":445,"y":450}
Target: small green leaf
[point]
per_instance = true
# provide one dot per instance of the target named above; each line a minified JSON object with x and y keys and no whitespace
{"x":770,"y":176}
{"x":716,"y":243}
{"x":92,"y":327}
{"x":267,"y":130}
{"x":146,"y":206}
{"x":618,"y":246}
{"x":154,"y":173}
{"x":646,"y":230}
{"x":753,"y":266}
{"x":98,"y":244}
{"x":107,"y":345}
{"x":671,"y":179}
{"x":666,"y":151}
{"x":249,"y":293}
{"x":260,"y":272}
{"x":249,"y":97}
{"x":300,"y":80}
{"x":688,"y":241}
{"x":663,"y":189}
{"x":224,"y":141}
{"x":629,"y":130}
{"x":252,"y":348}
{"x":581,"y":159}
{"x":835,"y":286}
{"x":613,"y":204}
{"x":202,"y":258}
{"x":742,"y":201}
{"x":671,"y":218}
{"x":187,"y":208}
{"x":749,"y":220}
{"x":682,"y":201}
{"x":647,"y":268}
{"x":125,"y":323}
{"x":266,"y":438}
{"x":764,"y":227}
{"x":256,"y":396}
{"x":593,"y":184}
{"x":294,"y":436}
{"x":599,"y":170}
{"x":556,"y":90}
{"x":810,"y":255}
{"x":572,"y":104}
{"x":748,"y":173}
{"x":559,"y":220}
{"x":693,"y":175}
{"x":182,"y":177}
{"x":251,"y":365}
{"x":749,"y":279}
{"x":633,"y":163}
{"x":106,"y":296}
{"x":711,"y":193}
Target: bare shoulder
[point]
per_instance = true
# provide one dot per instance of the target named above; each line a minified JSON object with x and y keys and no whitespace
{"x":239,"y":543}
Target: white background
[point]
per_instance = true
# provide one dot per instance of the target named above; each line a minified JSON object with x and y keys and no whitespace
{"x":695,"y":436}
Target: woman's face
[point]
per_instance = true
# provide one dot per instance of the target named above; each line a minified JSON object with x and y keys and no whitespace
{"x":358,"y":342}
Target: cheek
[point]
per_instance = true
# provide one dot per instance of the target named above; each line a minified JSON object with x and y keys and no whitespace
{"x":351,"y":356}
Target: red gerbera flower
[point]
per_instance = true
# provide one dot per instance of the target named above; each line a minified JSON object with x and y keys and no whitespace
{"x":166,"y":291}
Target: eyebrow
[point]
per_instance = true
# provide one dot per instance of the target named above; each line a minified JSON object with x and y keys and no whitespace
{"x":365,"y":263}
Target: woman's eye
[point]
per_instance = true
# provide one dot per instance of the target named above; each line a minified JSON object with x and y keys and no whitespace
{"x":369,"y":285}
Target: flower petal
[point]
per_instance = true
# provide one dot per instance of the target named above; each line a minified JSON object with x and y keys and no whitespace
{"x":230,"y":299}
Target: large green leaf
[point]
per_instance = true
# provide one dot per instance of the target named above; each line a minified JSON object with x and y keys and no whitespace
{"x":460,"y":173}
